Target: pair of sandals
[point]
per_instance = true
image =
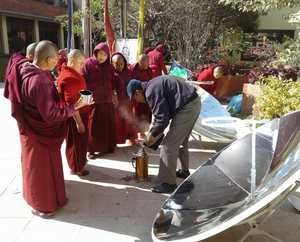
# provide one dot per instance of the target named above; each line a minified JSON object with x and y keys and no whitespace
{"x":41,"y":214}
{"x":82,"y":172}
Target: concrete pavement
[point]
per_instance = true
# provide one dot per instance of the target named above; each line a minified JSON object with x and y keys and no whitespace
{"x":108,"y":204}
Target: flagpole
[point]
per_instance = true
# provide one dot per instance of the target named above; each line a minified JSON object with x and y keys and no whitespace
{"x":123,"y":19}
{"x":86,"y":29}
{"x":70,"y":44}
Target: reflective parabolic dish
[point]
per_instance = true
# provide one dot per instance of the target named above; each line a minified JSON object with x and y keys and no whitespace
{"x":210,"y":108}
{"x":218,"y":194}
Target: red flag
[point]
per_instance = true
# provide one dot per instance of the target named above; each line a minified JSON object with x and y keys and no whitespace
{"x":110,"y":37}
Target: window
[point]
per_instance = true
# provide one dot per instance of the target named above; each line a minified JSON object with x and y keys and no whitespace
{"x":49,"y":31}
{"x":19,"y":27}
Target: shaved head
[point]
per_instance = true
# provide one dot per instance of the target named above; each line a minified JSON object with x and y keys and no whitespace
{"x":76,"y":54}
{"x":143,"y":62}
{"x":118,"y":62}
{"x":45,"y":55}
{"x":45,"y":49}
{"x":117,"y":57}
{"x":143,"y":57}
{"x":30,"y":50}
{"x":219,"y":69}
{"x":76,"y":60}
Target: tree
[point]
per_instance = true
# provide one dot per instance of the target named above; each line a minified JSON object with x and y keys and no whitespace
{"x":261,"y":5}
{"x":184,"y":27}
{"x":200,"y":25}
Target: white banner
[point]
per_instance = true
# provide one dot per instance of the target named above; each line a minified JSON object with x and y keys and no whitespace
{"x":128,"y":47}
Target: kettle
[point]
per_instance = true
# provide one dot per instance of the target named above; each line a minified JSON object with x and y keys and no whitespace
{"x":141,"y":163}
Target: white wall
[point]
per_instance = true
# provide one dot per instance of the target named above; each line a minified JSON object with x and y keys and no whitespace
{"x":273,"y":20}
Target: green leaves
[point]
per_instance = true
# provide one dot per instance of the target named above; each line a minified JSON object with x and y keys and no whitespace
{"x":290,"y":53}
{"x":261,"y":5}
{"x":279,"y":97}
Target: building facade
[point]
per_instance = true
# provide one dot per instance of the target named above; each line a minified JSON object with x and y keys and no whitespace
{"x":33,"y":21}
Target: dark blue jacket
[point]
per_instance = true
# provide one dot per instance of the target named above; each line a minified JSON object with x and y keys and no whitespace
{"x":166,"y":95}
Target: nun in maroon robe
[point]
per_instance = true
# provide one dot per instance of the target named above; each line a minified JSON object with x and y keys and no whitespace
{"x":125,"y":127}
{"x":143,"y":115}
{"x":69,"y":83}
{"x":42,"y":133}
{"x":157,"y":62}
{"x":99,"y":76}
{"x":210,"y":75}
{"x":40,"y":117}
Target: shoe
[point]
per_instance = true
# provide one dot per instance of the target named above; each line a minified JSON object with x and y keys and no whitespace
{"x":82,"y":172}
{"x":182,"y":173}
{"x":41,"y":214}
{"x":164,"y":188}
{"x":92,"y":156}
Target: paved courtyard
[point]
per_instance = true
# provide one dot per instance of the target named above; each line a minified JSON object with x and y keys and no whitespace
{"x":107,"y":205}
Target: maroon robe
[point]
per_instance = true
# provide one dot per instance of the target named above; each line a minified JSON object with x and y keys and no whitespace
{"x":208,"y":75}
{"x":12,"y":80}
{"x":125,"y":128}
{"x":60,"y":61}
{"x":147,"y":50}
{"x":100,"y":80}
{"x":41,"y":134}
{"x":157,"y":62}
{"x":43,"y":178}
{"x":142,"y":111}
{"x":69,"y":84}
{"x":76,"y":143}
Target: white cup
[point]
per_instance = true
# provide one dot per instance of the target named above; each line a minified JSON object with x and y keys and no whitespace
{"x":86,"y":96}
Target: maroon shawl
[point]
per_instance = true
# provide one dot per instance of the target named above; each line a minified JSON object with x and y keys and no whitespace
{"x":12,"y":80}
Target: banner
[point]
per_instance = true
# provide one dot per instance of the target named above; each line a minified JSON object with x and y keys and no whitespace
{"x":141,"y":30}
{"x":110,"y":37}
{"x":128,"y":47}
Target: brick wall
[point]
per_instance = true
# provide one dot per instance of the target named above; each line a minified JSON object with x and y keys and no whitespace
{"x":32,"y":7}
{"x":230,"y":86}
{"x":249,"y":91}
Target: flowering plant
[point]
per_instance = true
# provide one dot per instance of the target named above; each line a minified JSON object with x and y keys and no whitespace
{"x":211,"y":56}
{"x":262,"y":72}
{"x":267,"y":51}
{"x":226,"y":48}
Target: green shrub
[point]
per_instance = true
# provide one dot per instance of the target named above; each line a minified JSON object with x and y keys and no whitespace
{"x":290,"y":53}
{"x":279,"y":97}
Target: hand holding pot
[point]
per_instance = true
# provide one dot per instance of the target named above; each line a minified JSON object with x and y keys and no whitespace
{"x":149,"y":139}
{"x":80,"y":104}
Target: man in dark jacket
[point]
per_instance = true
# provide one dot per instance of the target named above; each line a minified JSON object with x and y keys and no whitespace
{"x":170,"y":99}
